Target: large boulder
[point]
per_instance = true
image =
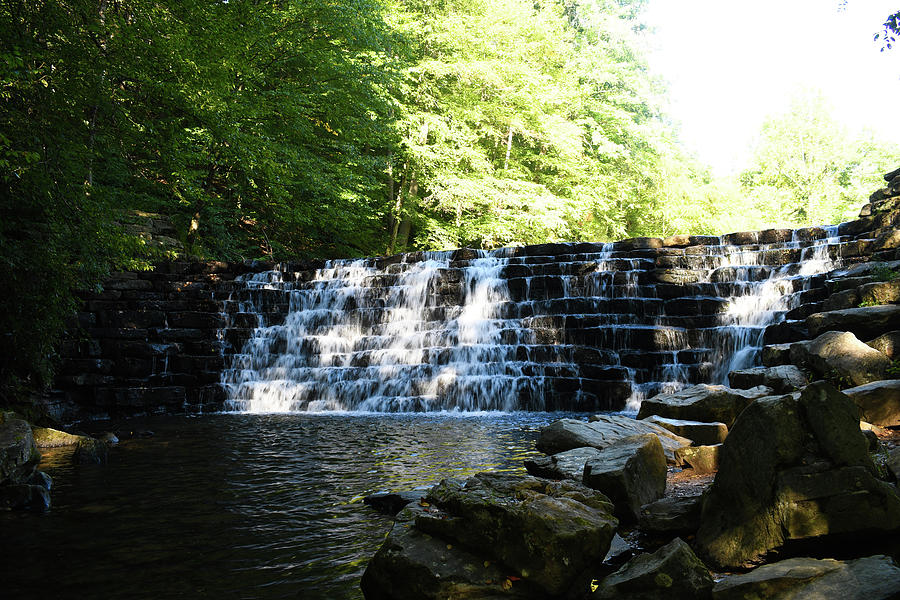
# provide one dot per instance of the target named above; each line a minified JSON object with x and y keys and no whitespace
{"x":544,"y":532}
{"x":563,"y":465}
{"x":783,"y":379}
{"x":887,"y":343}
{"x":631,"y":472}
{"x":866,"y":322}
{"x":18,"y":454}
{"x":840,"y":355}
{"x":794,"y":467}
{"x":671,"y":573}
{"x":870,"y":578}
{"x":878,"y":402}
{"x":413,"y":565}
{"x":698,"y":432}
{"x":702,"y":402}
{"x":602,"y":431}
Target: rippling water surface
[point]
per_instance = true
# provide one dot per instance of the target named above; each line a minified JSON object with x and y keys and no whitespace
{"x":242,"y":506}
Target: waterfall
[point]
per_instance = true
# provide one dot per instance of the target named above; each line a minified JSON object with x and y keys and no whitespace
{"x":549,"y":327}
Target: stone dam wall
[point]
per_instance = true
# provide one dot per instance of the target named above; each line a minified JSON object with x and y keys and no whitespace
{"x":579,"y":326}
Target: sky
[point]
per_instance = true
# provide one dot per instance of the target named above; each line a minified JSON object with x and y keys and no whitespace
{"x":730,"y":64}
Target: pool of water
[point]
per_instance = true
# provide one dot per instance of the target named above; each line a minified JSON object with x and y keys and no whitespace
{"x":242,"y":506}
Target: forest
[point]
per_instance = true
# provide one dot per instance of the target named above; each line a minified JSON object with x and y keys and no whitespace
{"x":274,"y":129}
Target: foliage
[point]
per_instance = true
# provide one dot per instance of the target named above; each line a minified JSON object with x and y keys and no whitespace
{"x":891,"y":29}
{"x":883,"y":272}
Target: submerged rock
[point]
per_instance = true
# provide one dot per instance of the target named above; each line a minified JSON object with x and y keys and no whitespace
{"x":878,"y":402}
{"x":871,"y":578}
{"x":602,"y":431}
{"x":841,"y":355}
{"x":794,"y":467}
{"x":90,"y":451}
{"x":631,"y":472}
{"x":702,"y":402}
{"x":671,"y":573}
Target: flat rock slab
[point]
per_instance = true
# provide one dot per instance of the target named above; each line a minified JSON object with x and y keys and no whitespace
{"x":671,"y":516}
{"x":878,"y":402}
{"x":631,"y":472}
{"x":697,"y":431}
{"x":865,"y":322}
{"x":702,"y":402}
{"x":564,"y":465}
{"x":841,"y":354}
{"x":783,"y":379}
{"x":673,"y":572}
{"x":870,"y":578}
{"x":602,"y":431}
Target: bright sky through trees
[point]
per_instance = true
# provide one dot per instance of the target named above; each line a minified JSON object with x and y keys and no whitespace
{"x":730,"y":64}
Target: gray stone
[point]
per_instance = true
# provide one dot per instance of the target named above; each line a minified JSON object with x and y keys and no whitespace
{"x":671,"y":573}
{"x":631,"y":472}
{"x":841,"y":356}
{"x":701,"y":459}
{"x":866,"y":322}
{"x":887,"y":343}
{"x":776,"y":354}
{"x":545,"y":532}
{"x":878,"y":402}
{"x":675,"y":515}
{"x":880,"y":292}
{"x":18,"y":454}
{"x":600,"y":432}
{"x":841,"y":300}
{"x":893,"y":462}
{"x":390,"y":503}
{"x":702,"y":402}
{"x":698,"y":432}
{"x":563,"y":465}
{"x":870,"y":578}
{"x":782,"y":379}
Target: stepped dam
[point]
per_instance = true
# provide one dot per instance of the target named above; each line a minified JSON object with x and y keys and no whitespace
{"x":567,"y":326}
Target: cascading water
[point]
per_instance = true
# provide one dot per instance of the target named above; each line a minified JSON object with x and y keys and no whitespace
{"x":553,"y":327}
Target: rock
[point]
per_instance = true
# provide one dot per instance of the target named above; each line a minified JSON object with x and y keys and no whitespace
{"x":412,"y":565}
{"x":22,"y":496}
{"x":702,"y":402}
{"x":603,"y":430}
{"x":880,"y":292}
{"x":776,"y":354}
{"x":878,"y":402}
{"x":872,"y":439}
{"x":545,"y":532}
{"x":782,"y":379}
{"x":841,"y":300}
{"x":18,"y":454}
{"x":563,"y":465}
{"x":698,"y":432}
{"x":40,"y":479}
{"x":794,"y":467}
{"x":841,"y":356}
{"x":674,"y":515}
{"x":673,"y":572}
{"x":619,"y":551}
{"x":631,"y":472}
{"x":887,"y":343}
{"x":45,"y":437}
{"x":866,"y":322}
{"x":702,"y":459}
{"x":893,"y":462}
{"x":90,"y":451}
{"x":871,"y":578}
{"x":889,"y":240}
{"x":109,"y":437}
{"x":390,"y":503}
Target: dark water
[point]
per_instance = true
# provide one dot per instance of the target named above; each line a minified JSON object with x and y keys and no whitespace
{"x":242,"y":506}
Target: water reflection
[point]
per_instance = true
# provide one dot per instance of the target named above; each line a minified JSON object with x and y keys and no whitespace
{"x":243,"y":506}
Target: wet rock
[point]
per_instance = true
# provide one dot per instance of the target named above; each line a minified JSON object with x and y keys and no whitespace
{"x":631,"y":472}
{"x":413,"y":565}
{"x":698,"y":432}
{"x":866,"y":322}
{"x":701,"y":459}
{"x":45,"y":437}
{"x":782,"y":379}
{"x":23,"y":496}
{"x":545,"y":532}
{"x":887,"y":343}
{"x":563,"y":465}
{"x":702,"y":402}
{"x":40,"y":479}
{"x":390,"y":503}
{"x":878,"y":402}
{"x":870,"y":578}
{"x":840,"y":355}
{"x":90,"y":451}
{"x":671,"y":573}
{"x":18,"y":453}
{"x":794,"y":467}
{"x":675,"y":515}
{"x":776,"y":354}
{"x":600,"y":432}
